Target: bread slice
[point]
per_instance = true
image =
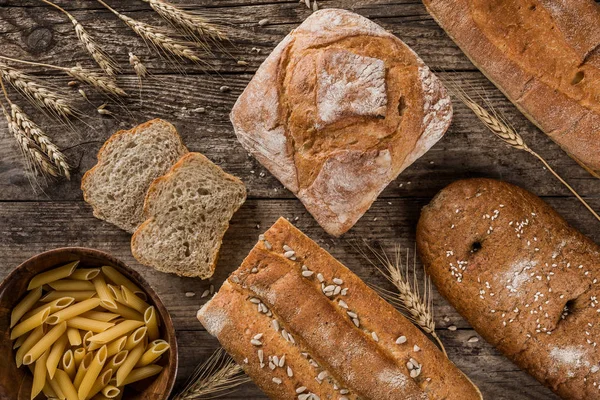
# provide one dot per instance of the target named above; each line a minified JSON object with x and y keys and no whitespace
{"x":127,"y":164}
{"x":188,"y":211}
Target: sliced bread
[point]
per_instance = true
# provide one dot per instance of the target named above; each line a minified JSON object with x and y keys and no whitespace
{"x":127,"y":164}
{"x":188,"y":211}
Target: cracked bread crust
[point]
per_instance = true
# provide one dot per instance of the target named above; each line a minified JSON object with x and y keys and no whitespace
{"x":337,"y":111}
{"x":510,"y":265}
{"x":544,"y":55}
{"x":346,"y":339}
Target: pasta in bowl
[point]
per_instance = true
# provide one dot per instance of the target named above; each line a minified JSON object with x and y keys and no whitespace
{"x":78,"y":324}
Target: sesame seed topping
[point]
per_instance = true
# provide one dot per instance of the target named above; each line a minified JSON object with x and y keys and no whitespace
{"x":277,"y":381}
{"x":320,"y":277}
{"x":401,"y":340}
{"x":374,"y":336}
{"x":307,"y":274}
{"x":338,"y":281}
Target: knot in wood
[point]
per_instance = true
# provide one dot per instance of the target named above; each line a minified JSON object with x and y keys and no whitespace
{"x":39,"y":39}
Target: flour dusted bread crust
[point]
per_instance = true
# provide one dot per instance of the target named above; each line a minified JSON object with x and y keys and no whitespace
{"x":127,"y":164}
{"x":521,"y":276}
{"x":337,"y":111}
{"x":544,"y":55}
{"x":301,"y":323}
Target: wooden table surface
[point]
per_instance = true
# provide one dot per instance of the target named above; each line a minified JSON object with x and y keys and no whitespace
{"x":34,"y":222}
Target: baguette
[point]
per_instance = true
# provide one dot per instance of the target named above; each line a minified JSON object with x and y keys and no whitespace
{"x":521,"y":276}
{"x":337,"y":338}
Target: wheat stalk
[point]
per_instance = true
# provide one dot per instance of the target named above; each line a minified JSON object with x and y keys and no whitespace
{"x":157,"y":36}
{"x":417,"y":306}
{"x":140,"y":69}
{"x":214,"y":378}
{"x":42,"y":97}
{"x":104,"y":61}
{"x":500,"y":127}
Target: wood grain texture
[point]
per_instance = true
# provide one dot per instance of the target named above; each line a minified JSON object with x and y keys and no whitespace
{"x":31,"y":223}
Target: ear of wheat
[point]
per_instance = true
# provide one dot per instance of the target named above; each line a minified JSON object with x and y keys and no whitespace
{"x":104,"y":61}
{"x":216,"y":377}
{"x":157,"y":37}
{"x":41,"y":96}
{"x":416,"y":305}
{"x":500,"y":127}
{"x":139,"y":68}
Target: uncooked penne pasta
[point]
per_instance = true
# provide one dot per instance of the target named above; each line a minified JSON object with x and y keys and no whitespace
{"x":87,"y":324}
{"x":55,"y":306}
{"x":73,"y":311}
{"x":155,"y":350}
{"x":115,"y":362}
{"x":120,"y":280}
{"x":71,"y":285}
{"x":30,"y":323}
{"x":132,"y":358}
{"x":116,"y":293}
{"x":78,"y":355}
{"x":39,"y":375}
{"x":92,"y":373}
{"x":111,"y":391}
{"x":101,"y":382}
{"x":19,"y":341}
{"x":100,"y":316}
{"x":103,"y":293}
{"x":66,"y":386}
{"x":126,"y":312}
{"x":31,"y":340}
{"x":56,"y":352}
{"x":68,"y":364}
{"x":85,"y":274}
{"x":142,"y":373}
{"x":44,"y":343}
{"x":52,"y":275}
{"x":74,"y":336}
{"x":116,"y":345}
{"x":135,"y":338}
{"x":49,"y":392}
{"x":25,"y":305}
{"x":56,"y":388}
{"x":133,"y":301}
{"x":116,"y":331}
{"x":83,"y":367}
{"x":78,"y":295}
{"x":151,"y":321}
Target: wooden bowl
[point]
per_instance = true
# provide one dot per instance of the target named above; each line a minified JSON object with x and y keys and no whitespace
{"x":15,"y":383}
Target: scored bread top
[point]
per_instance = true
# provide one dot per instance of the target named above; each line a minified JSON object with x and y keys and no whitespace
{"x":127,"y":164}
{"x":291,"y":299}
{"x":187,"y":212}
{"x":337,"y":111}
{"x":522,"y":277}
{"x":544,"y":55}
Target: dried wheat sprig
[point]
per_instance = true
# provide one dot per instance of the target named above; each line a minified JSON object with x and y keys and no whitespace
{"x":417,"y":306}
{"x":41,"y":96}
{"x":97,"y":80}
{"x":140,"y":69}
{"x":157,"y":36}
{"x":216,"y":377}
{"x":104,"y":61}
{"x":500,"y":127}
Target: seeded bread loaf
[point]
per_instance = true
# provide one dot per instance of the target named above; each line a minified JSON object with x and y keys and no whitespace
{"x":188,"y":211}
{"x":127,"y":164}
{"x":304,"y":326}
{"x":521,"y":276}
{"x":544,"y":55}
{"x":337,"y":111}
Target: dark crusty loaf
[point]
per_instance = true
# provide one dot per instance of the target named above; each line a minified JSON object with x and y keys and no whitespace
{"x":544,"y":55}
{"x":337,"y":111}
{"x":521,"y":276}
{"x":304,"y":326}
{"x":127,"y":164}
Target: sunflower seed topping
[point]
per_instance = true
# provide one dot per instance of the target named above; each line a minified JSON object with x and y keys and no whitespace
{"x":320,"y":277}
{"x":401,"y":340}
{"x":307,"y":274}
{"x":301,"y":389}
{"x":290,"y":373}
{"x":374,"y":336}
{"x":277,"y":381}
{"x":256,"y":342}
{"x":275,"y":324}
{"x":338,"y":281}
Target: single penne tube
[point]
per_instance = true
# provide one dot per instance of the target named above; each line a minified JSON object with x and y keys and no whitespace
{"x":83,"y":367}
{"x":119,"y":279}
{"x":30,"y":323}
{"x":151,"y":321}
{"x":19,"y":342}
{"x":56,"y":388}
{"x":116,"y":346}
{"x":111,"y":391}
{"x":85,"y":274}
{"x":25,"y":305}
{"x":103,"y":292}
{"x":66,"y":386}
{"x":115,"y":362}
{"x":87,"y":324}
{"x":31,"y":340}
{"x":92,"y":373}
{"x":66,"y":285}
{"x":56,"y":352}
{"x":136,"y":337}
{"x":68,"y":364}
{"x":85,"y":338}
{"x":52,"y":275}
{"x":129,"y":364}
{"x":48,"y":391}
{"x":155,"y":350}
{"x":126,"y":312}
{"x":55,"y":306}
{"x":100,"y":316}
{"x":101,"y":382}
{"x":73,"y":311}
{"x":78,"y":355}
{"x":74,"y":336}
{"x":134,"y":301}
{"x":116,"y":331}
{"x":116,"y":293}
{"x":78,"y":295}
{"x":44,"y":343}
{"x":142,"y":373}
{"x":39,"y":375}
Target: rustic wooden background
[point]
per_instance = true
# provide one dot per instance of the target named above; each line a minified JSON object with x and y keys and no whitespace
{"x":34,"y":222}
